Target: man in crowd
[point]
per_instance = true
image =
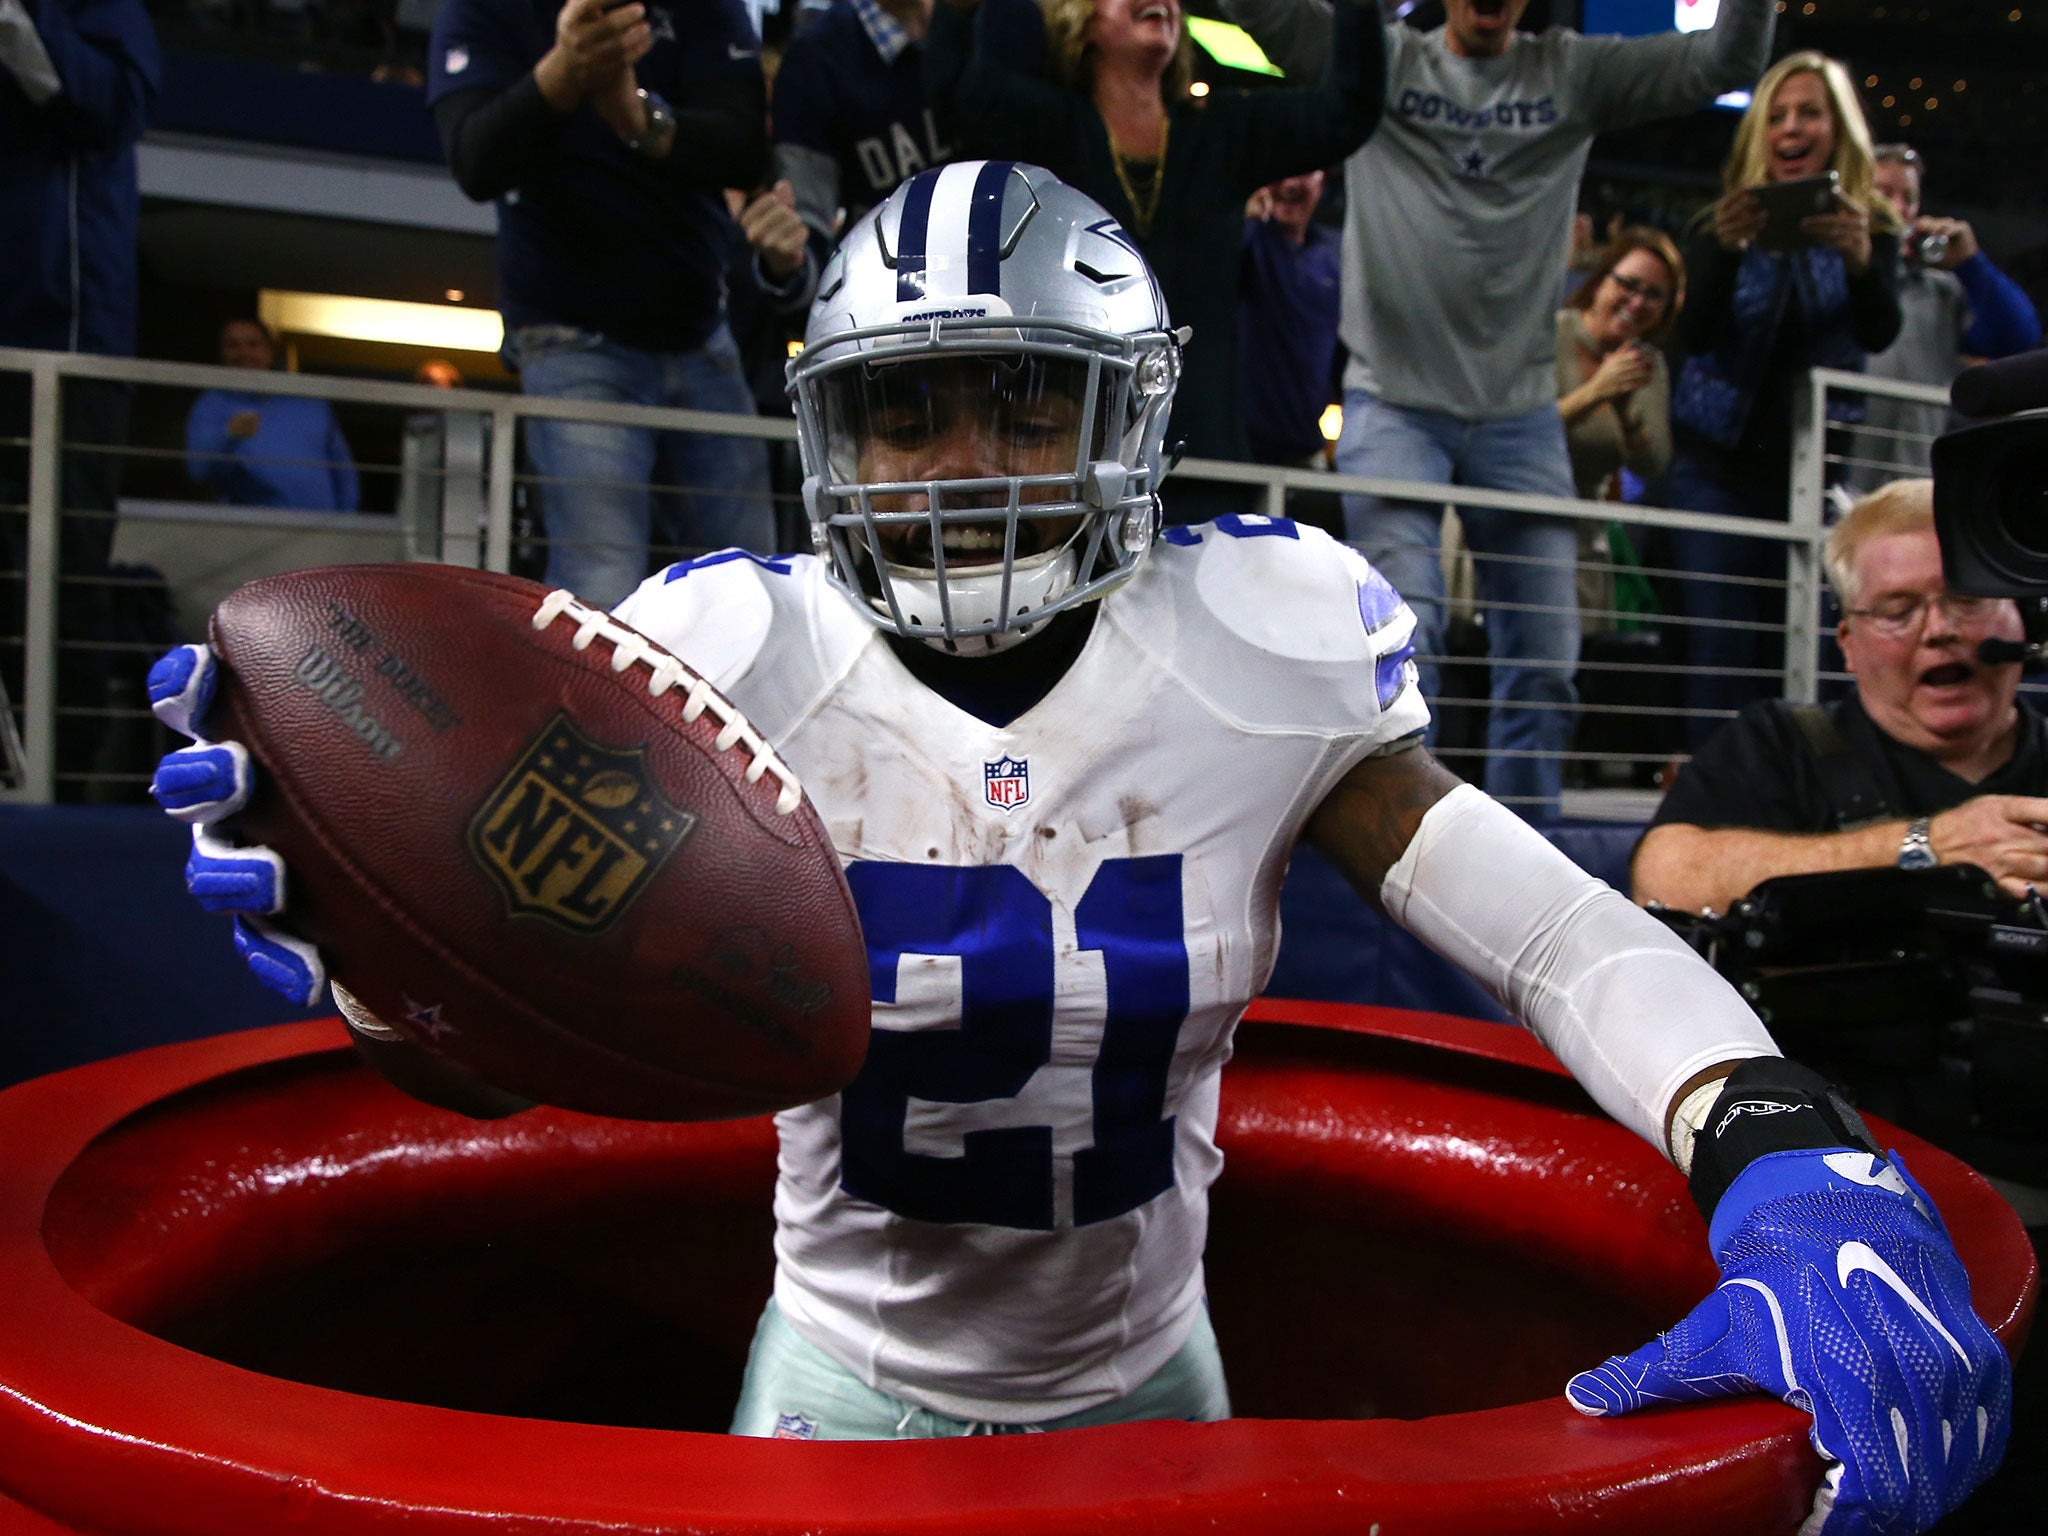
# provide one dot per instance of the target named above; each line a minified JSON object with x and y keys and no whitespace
{"x":255,"y":449}
{"x":77,"y":81}
{"x":1934,"y":759}
{"x":1955,"y":307}
{"x":1459,"y":214}
{"x":850,"y":114}
{"x":607,"y":133}
{"x":1287,"y":331}
{"x":1287,"y":336}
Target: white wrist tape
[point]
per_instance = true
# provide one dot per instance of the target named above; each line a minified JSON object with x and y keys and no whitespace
{"x":1690,"y":1118}
{"x":1629,"y":1010}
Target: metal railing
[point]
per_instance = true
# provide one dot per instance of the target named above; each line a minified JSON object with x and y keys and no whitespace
{"x":1893,"y":439}
{"x":461,"y":507}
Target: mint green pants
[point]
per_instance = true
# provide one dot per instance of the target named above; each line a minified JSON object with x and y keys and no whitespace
{"x":795,"y":1391}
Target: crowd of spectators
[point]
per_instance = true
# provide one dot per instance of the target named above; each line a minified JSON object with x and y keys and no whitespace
{"x":668,"y":192}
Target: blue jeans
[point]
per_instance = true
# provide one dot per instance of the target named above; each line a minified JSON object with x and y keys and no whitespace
{"x":1525,"y":567}
{"x":1728,"y":663}
{"x":598,"y":481}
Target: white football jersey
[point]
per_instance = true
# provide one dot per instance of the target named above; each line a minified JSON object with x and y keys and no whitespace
{"x":1002,"y":1218}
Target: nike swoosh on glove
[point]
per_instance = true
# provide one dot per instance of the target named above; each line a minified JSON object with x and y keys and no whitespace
{"x":1842,"y":1294}
{"x":203,"y":785}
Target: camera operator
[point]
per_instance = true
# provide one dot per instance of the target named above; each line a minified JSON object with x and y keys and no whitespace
{"x":1933,"y":760}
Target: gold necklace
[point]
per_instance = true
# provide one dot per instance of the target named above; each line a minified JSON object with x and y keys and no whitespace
{"x":1142,"y":213}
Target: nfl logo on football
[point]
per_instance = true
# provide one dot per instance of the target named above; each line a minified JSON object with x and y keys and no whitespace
{"x":1007,"y":782}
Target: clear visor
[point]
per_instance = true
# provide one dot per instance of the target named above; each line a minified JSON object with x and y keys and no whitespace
{"x":939,"y":417}
{"x":970,"y":436}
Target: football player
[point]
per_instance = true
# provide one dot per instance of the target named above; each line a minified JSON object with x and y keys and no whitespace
{"x":1066,"y":759}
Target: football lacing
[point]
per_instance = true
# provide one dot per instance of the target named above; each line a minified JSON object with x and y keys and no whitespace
{"x":666,"y":673}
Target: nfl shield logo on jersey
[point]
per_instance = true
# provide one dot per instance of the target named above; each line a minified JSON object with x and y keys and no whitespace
{"x":1007,"y":782}
{"x":794,"y":1426}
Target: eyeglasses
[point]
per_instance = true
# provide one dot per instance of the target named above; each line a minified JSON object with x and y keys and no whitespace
{"x":1635,"y":287}
{"x":1903,"y":614}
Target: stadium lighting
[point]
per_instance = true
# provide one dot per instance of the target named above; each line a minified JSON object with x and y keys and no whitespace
{"x":443,"y":327}
{"x":1230,"y":46}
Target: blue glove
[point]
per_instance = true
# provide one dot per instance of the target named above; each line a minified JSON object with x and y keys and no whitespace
{"x":1842,"y":1294}
{"x":204,"y":784}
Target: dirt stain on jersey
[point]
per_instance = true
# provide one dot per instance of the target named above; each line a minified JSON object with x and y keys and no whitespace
{"x":1136,"y":811}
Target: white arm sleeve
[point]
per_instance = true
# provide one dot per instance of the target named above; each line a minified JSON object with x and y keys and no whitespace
{"x":1629,"y":1010}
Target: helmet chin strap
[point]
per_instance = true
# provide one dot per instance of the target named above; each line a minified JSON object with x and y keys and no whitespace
{"x":1034,"y":583}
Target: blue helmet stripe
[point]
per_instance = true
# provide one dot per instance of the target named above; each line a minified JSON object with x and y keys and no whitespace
{"x":912,"y":232}
{"x":985,"y":228}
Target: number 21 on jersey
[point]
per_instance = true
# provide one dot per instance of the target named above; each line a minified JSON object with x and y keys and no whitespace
{"x":999,"y":927}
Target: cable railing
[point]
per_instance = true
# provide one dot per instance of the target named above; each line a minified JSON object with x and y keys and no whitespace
{"x":451,"y":482}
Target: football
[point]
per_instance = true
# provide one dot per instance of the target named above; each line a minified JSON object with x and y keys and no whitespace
{"x":539,"y":848}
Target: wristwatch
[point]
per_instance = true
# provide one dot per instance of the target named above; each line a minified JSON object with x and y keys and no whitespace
{"x":661,"y":124}
{"x":1915,"y":851}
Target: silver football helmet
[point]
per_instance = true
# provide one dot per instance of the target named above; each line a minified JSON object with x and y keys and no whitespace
{"x":981,"y":405}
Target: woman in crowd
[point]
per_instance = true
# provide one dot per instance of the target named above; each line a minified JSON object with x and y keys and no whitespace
{"x":1764,"y":311}
{"x":1119,"y":123}
{"x":1613,"y":389}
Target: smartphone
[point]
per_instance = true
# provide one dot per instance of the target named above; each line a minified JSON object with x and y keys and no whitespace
{"x":1787,"y":203}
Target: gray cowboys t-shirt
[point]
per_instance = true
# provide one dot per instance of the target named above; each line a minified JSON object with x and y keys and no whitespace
{"x":1459,"y":207}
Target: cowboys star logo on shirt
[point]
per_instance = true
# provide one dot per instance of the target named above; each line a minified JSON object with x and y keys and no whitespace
{"x":576,"y":830}
{"x":1474,"y":163}
{"x":456,"y":61}
{"x":1007,"y":782}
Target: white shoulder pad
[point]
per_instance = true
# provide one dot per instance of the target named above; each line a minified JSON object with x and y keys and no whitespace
{"x":713,"y":612}
{"x":1283,"y":627}
{"x":769,"y":633}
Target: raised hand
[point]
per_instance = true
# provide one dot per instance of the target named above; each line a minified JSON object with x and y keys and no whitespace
{"x":778,"y":235}
{"x":596,"y":42}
